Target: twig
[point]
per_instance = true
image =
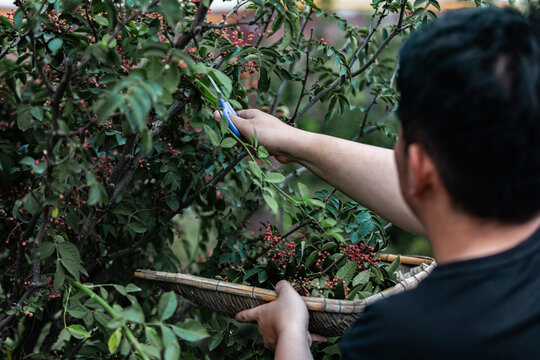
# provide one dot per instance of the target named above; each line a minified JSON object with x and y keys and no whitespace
{"x":233,"y":24}
{"x":9,"y":47}
{"x":366,"y":112}
{"x":283,"y":85}
{"x":298,"y":227}
{"x":369,"y":130}
{"x":18,"y":263}
{"x":36,"y":273}
{"x":304,"y":81}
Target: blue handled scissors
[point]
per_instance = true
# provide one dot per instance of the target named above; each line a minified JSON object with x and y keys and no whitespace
{"x":227,"y":109}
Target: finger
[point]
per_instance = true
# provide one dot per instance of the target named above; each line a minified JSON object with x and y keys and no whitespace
{"x":316,"y":338}
{"x":217,"y":115}
{"x":249,"y":315}
{"x":283,"y":286}
{"x":248,"y":113}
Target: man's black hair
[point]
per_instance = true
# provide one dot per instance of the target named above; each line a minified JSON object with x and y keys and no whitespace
{"x":470,"y":94}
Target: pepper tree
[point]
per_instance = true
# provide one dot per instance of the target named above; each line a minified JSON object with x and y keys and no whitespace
{"x":107,"y":139}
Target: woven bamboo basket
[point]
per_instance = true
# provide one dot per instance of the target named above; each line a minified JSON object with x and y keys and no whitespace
{"x":328,"y":317}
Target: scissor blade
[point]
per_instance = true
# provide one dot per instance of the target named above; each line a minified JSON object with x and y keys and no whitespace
{"x":214,"y":85}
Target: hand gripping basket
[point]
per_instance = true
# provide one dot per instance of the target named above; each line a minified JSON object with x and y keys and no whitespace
{"x":328,"y":317}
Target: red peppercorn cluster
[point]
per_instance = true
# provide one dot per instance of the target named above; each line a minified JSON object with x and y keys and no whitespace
{"x":361,"y":254}
{"x":278,"y":250}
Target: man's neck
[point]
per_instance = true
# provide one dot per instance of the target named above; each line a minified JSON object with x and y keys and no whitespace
{"x":461,"y":237}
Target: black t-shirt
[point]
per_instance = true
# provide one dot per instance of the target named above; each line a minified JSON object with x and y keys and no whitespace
{"x":485,"y":308}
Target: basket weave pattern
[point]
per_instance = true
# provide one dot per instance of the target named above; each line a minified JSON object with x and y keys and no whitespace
{"x":328,"y":317}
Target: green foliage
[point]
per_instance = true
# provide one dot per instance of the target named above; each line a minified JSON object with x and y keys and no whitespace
{"x":108,"y":144}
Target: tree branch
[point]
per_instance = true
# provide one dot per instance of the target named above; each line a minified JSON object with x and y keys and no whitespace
{"x":195,"y":27}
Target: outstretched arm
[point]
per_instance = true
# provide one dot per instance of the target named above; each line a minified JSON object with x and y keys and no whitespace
{"x":367,"y":174}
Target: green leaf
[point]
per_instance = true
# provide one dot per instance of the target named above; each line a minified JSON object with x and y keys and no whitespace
{"x":228,"y":142}
{"x":55,"y":44}
{"x":59,"y":276}
{"x":101,"y":20}
{"x":392,"y":268}
{"x":172,"y":351}
{"x":78,"y":331}
{"x":271,"y":202}
{"x":215,"y":340}
{"x":274,"y":178}
{"x":190,"y":330}
{"x":153,"y":337}
{"x":255,"y":169}
{"x":70,"y":257}
{"x":167,"y":305}
{"x":311,"y":258}
{"x":288,"y":33}
{"x":146,"y":140}
{"x":137,"y":227}
{"x":172,"y":202}
{"x":134,"y":313}
{"x":27,"y":160}
{"x":251,"y":272}
{"x":171,"y":10}
{"x":24,"y":119}
{"x":47,"y":248}
{"x":328,"y":223}
{"x":114,"y":340}
{"x":304,"y":191}
{"x":94,"y":196}
{"x":109,"y":103}
{"x":171,"y":78}
{"x":287,"y":220}
{"x":212,"y":135}
{"x":362,"y":278}
{"x":223,"y":80}
{"x":346,"y":272}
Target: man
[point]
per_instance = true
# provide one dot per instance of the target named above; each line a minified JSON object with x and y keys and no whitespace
{"x":467,"y":176}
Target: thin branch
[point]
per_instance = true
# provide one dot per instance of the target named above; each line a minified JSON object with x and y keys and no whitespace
{"x":233,"y":24}
{"x":36,"y":272}
{"x":366,"y":112}
{"x":9,"y":47}
{"x":18,"y":263}
{"x":298,"y":227}
{"x":304,"y":81}
{"x":283,"y":85}
{"x":369,"y":130}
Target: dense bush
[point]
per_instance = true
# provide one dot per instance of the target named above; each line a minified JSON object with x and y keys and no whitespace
{"x":107,"y":139}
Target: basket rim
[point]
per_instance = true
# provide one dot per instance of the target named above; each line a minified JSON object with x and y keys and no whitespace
{"x":320,"y":304}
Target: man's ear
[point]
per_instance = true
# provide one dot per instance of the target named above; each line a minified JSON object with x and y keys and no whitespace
{"x":421,"y":170}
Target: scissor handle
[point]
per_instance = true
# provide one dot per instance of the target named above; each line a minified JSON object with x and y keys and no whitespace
{"x":228,"y":109}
